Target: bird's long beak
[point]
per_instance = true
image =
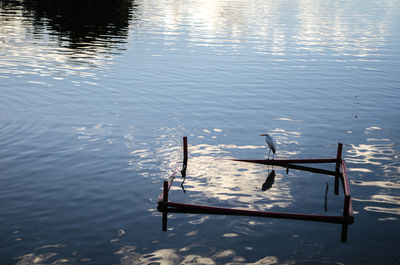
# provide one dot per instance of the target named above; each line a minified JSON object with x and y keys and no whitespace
{"x":262,"y":134}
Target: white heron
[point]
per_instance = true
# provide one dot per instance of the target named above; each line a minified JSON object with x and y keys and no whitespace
{"x":271,"y":144}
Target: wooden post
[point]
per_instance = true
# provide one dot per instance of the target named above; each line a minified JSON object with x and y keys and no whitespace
{"x":165,"y":206}
{"x":185,"y":150}
{"x":326,"y":197}
{"x":346,"y":206}
{"x":337,"y":170}
{"x":185,"y":157}
{"x":344,"y":233}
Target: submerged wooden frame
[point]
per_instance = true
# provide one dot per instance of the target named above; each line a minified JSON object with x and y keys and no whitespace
{"x":340,"y":174}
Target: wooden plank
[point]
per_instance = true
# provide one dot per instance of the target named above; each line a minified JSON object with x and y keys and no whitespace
{"x":193,"y":208}
{"x":287,"y":161}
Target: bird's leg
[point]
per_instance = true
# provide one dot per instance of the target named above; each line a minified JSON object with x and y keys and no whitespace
{"x":269,"y":152}
{"x":273,"y":157}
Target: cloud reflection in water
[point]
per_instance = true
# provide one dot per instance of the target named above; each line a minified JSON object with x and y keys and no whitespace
{"x":39,"y":256}
{"x":236,"y":182}
{"x":366,"y":160}
{"x":173,"y":256}
{"x":213,"y":176}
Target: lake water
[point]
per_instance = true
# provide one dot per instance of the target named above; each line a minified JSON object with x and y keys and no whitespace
{"x":95,"y":98}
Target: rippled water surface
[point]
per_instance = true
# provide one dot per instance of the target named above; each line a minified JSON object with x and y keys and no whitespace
{"x":95,"y":97}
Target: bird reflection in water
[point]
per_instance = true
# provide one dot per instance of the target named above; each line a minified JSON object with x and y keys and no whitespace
{"x":269,"y":181}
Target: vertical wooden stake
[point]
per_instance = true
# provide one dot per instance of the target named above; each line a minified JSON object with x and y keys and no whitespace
{"x":326,"y":197}
{"x":165,"y":210}
{"x":185,"y":150}
{"x":185,"y":157}
{"x":346,"y":207}
{"x":344,"y":233}
{"x":337,"y":170}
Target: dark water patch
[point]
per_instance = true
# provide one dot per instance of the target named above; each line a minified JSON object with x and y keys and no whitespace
{"x":81,"y":25}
